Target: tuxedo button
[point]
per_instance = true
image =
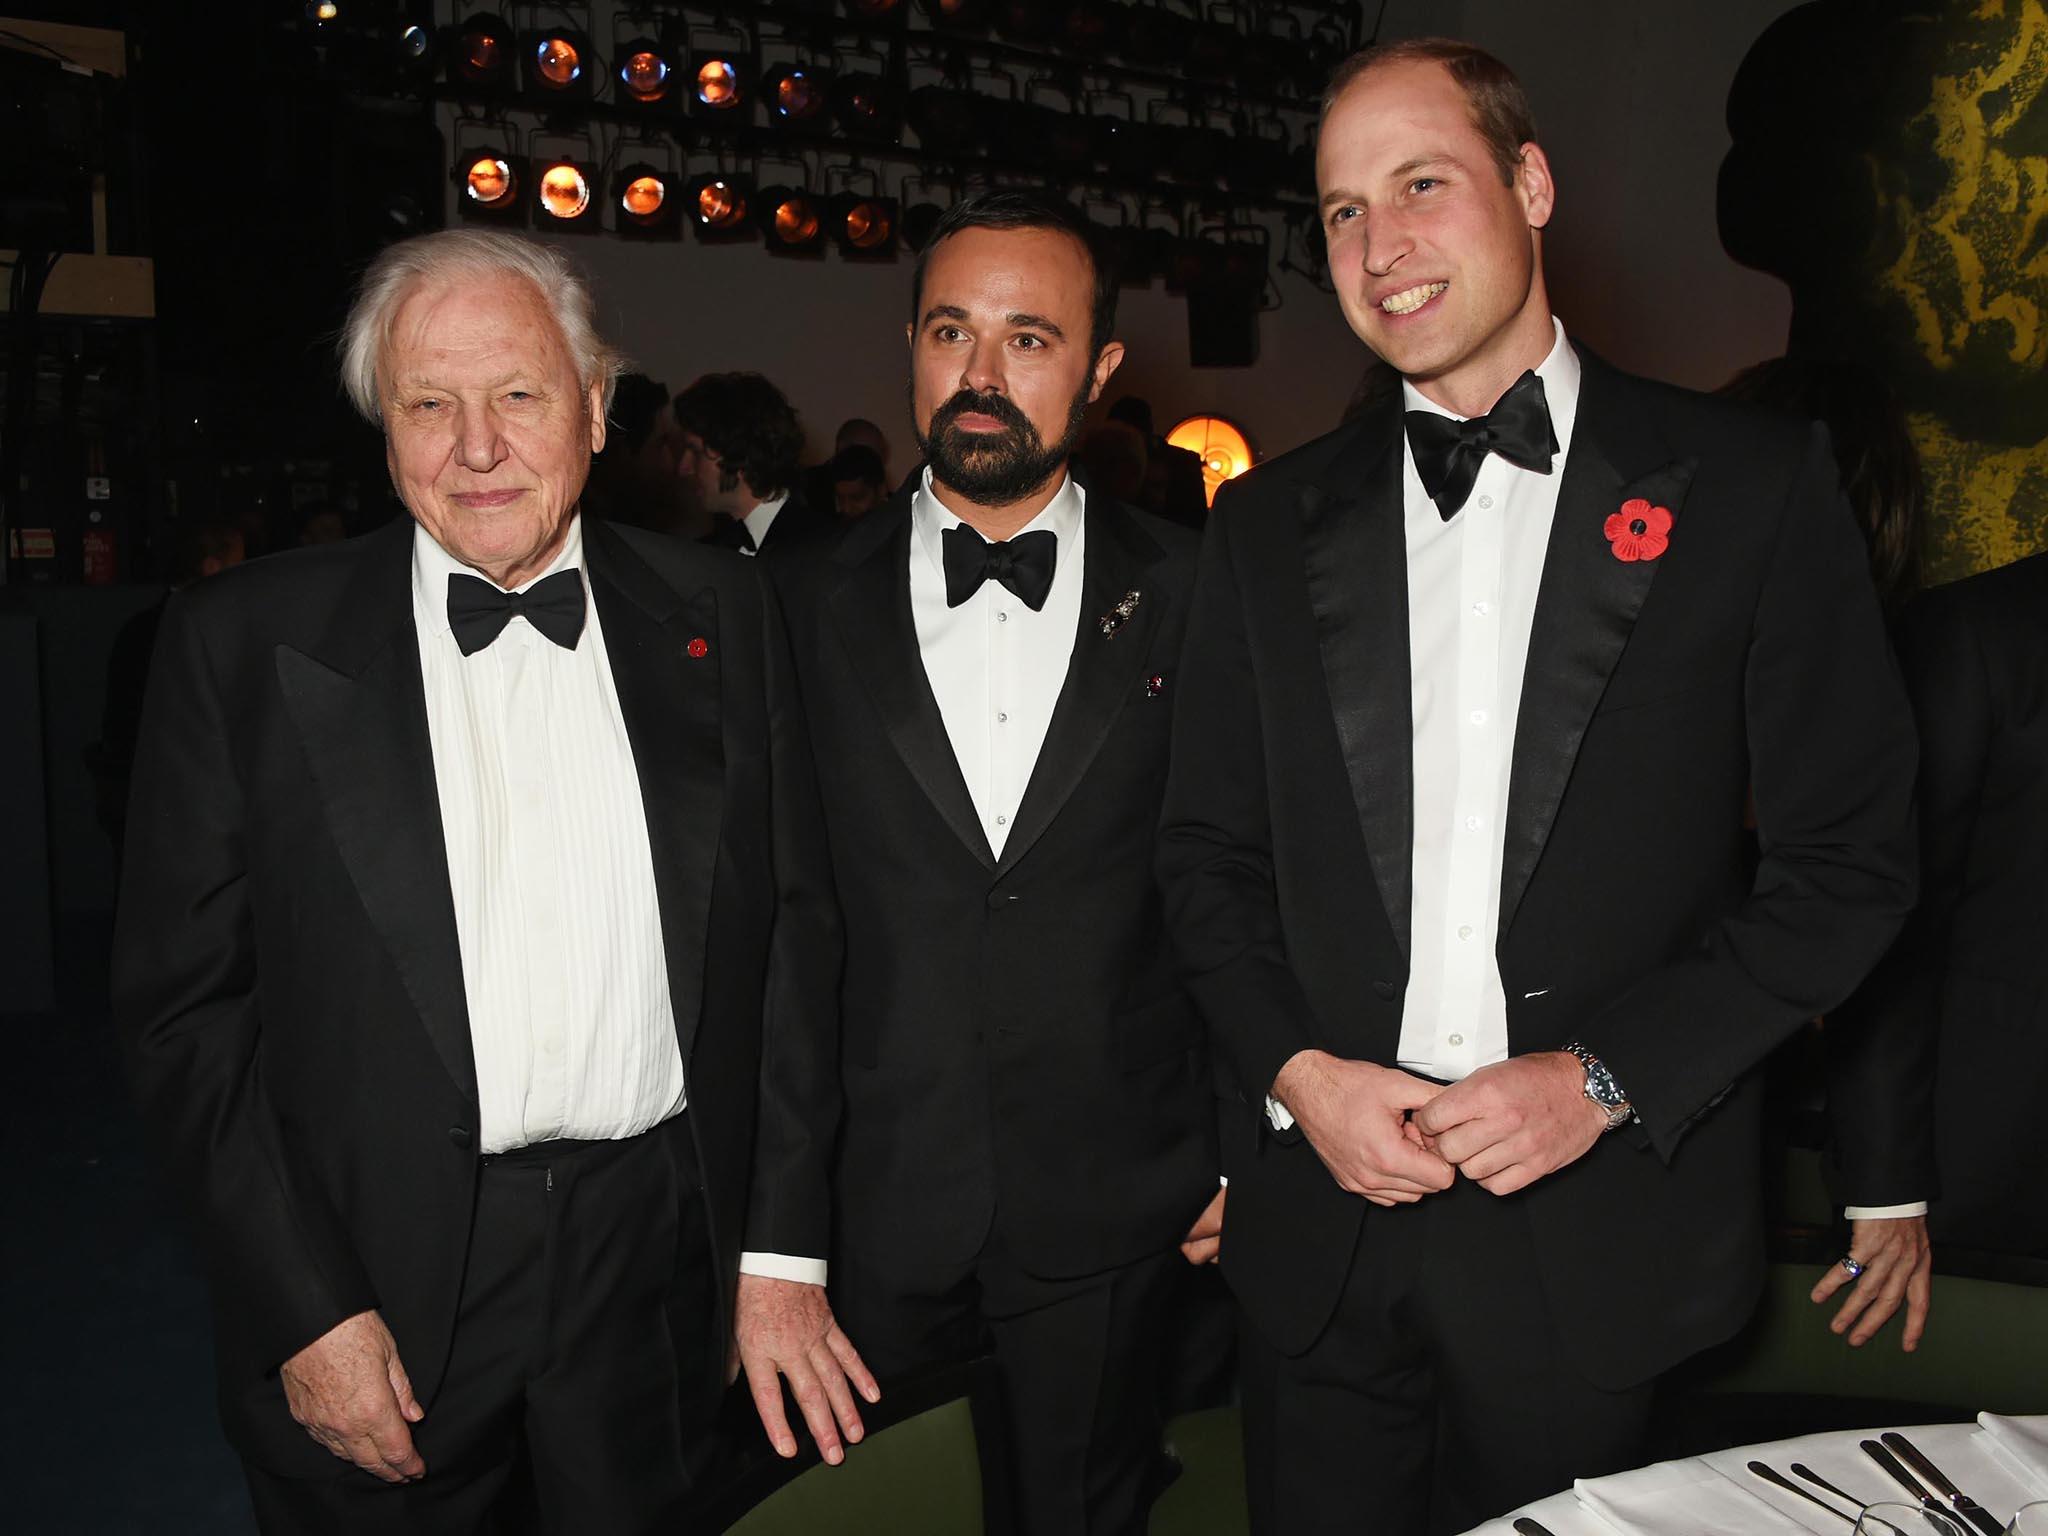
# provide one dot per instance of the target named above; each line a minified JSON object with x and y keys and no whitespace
{"x":458,"y":1136}
{"x":1386,"y":989}
{"x":997,"y":900}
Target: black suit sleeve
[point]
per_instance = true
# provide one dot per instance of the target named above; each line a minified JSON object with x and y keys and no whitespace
{"x":1831,"y":752}
{"x":187,"y":1004}
{"x":1881,"y":1046}
{"x":789,"y":1206}
{"x":1216,"y":841}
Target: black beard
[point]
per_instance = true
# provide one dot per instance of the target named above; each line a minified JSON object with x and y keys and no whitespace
{"x":995,"y":469}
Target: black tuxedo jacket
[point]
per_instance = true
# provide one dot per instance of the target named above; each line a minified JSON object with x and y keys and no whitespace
{"x":1017,"y":1045}
{"x":287,"y":976}
{"x":1656,"y":693}
{"x":1953,"y":1027}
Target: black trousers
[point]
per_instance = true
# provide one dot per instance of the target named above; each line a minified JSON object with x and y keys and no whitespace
{"x":1440,"y":1395}
{"x":584,"y":1367}
{"x":1080,"y":1361}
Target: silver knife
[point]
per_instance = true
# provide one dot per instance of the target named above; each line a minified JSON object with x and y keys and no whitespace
{"x":1936,"y":1479}
{"x":1527,"y":1527}
{"x":1778,"y":1480}
{"x":1896,"y":1471}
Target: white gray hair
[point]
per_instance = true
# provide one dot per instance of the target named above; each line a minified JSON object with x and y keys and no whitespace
{"x":399,"y":268}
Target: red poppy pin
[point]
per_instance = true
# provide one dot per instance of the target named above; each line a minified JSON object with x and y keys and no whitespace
{"x":1639,"y":531}
{"x":699,"y":648}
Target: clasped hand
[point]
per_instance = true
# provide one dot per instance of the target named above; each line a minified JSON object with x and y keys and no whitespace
{"x":1394,"y":1138}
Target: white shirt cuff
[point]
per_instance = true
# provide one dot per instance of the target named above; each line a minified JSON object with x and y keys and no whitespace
{"x":1885,"y":1212}
{"x":1277,"y":1115}
{"x":783,"y":1266}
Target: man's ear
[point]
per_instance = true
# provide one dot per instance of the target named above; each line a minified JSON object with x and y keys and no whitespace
{"x":1107,"y":361}
{"x":597,"y":421}
{"x":1534,"y":186}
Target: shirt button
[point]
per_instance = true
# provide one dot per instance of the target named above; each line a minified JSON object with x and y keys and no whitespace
{"x":1479,"y":717}
{"x":1474,"y":823}
{"x":1002,"y":718}
{"x":1457,"y":1039}
{"x":1002,"y":821}
{"x":1002,"y":617}
{"x":1465,"y":932}
{"x":1482,"y":609}
{"x":1485,"y":502}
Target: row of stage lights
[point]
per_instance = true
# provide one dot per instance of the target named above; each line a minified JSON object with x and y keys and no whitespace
{"x":647,"y":202}
{"x":723,"y":85}
{"x":484,"y":52}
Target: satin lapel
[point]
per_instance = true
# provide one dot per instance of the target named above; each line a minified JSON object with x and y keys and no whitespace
{"x":871,"y":611}
{"x":361,"y":711}
{"x":1102,"y":672}
{"x":1356,"y":560}
{"x":1586,"y":608}
{"x":670,"y":701}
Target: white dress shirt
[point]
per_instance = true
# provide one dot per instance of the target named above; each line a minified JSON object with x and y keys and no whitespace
{"x":996,"y":668}
{"x":1472,"y":586}
{"x":760,"y":520}
{"x":549,"y":864}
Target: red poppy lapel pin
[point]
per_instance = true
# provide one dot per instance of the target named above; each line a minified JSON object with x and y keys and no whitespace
{"x":1639,"y":531}
{"x":698,"y":648}
{"x":1118,"y":616}
{"x":1155,"y":685}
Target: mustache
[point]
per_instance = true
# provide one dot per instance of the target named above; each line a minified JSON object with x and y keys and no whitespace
{"x":966,"y":402}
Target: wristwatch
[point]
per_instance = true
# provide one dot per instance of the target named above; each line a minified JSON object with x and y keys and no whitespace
{"x":1602,"y":1089}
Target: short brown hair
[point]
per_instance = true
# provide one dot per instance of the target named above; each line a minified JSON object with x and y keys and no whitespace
{"x":1500,"y":107}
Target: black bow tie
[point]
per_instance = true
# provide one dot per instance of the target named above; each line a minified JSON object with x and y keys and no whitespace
{"x":733,"y":533}
{"x":478,"y":612}
{"x":1023,"y":564}
{"x":1449,"y":452}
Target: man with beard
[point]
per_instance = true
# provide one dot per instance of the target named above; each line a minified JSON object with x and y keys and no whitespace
{"x":1027,"y":1148}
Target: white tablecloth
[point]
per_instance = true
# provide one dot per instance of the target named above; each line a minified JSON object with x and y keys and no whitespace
{"x":2000,"y":1462}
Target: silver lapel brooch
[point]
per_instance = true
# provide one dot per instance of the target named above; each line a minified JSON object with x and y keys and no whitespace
{"x":1118,"y":616}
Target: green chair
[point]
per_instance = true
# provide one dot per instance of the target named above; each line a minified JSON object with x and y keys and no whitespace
{"x":1983,"y":1349}
{"x":1207,"y":1499}
{"x":931,"y":1464}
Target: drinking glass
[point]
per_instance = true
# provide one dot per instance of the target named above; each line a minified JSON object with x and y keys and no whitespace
{"x":1907,"y":1520}
{"x":2031,"y":1520}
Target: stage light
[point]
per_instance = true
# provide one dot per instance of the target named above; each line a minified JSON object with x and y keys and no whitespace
{"x":720,"y":207}
{"x":1131,"y":149}
{"x":718,"y":85}
{"x":480,"y":53}
{"x":644,"y":74}
{"x":1155,"y":36}
{"x":1094,"y":28}
{"x":1196,"y":154}
{"x":564,"y":197}
{"x":867,"y":108}
{"x":795,"y":94}
{"x":648,"y":204}
{"x":558,"y":63}
{"x":864,"y":227}
{"x":919,"y":219}
{"x":793,"y":221}
{"x":1221,"y":445}
{"x":492,"y":187}
{"x":1024,"y":21}
{"x":322,"y":11}
{"x":945,"y":119}
{"x":957,"y":15}
{"x":1128,"y":249}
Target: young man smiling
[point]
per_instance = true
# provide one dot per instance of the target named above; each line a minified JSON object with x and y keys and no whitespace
{"x":1474,"y":692}
{"x":989,"y":661}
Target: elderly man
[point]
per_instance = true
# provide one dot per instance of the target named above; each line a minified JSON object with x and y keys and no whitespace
{"x":467,"y":860}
